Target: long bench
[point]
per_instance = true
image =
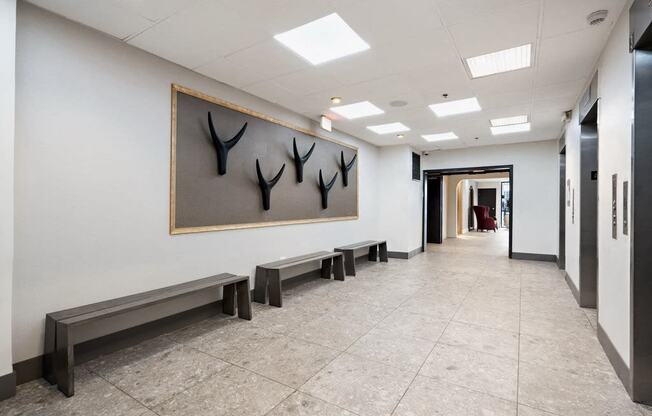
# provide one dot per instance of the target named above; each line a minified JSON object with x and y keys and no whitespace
{"x":372,"y":247}
{"x":65,"y":329}
{"x":270,"y":275}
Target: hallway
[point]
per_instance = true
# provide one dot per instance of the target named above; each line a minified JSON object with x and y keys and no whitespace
{"x":459,"y":330}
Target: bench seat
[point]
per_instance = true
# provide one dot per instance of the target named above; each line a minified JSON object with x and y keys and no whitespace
{"x":372,"y":247}
{"x":270,"y":275}
{"x":64,"y":329}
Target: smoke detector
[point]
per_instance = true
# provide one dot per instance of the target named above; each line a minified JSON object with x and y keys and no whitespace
{"x":597,"y":17}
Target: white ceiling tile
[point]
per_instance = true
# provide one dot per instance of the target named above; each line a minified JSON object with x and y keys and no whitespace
{"x":198,"y":35}
{"x":569,"y":57}
{"x":509,"y":28}
{"x":563,"y":16}
{"x":155,"y":10}
{"x":456,"y":11}
{"x":309,"y":81}
{"x":107,"y":16}
{"x":265,"y":60}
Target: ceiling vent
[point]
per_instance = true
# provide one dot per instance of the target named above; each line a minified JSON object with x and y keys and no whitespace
{"x":597,"y":17}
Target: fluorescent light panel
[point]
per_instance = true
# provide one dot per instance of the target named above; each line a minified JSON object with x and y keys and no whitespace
{"x":388,"y":128}
{"x":449,"y":108}
{"x":514,"y":128}
{"x":501,"y":61}
{"x":440,"y":137}
{"x":506,"y":121}
{"x":357,"y":110}
{"x":323,"y":40}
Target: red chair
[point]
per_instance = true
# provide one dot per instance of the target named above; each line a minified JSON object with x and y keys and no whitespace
{"x":485,"y":221}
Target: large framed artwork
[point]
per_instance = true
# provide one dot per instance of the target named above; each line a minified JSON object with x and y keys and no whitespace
{"x":232,"y":167}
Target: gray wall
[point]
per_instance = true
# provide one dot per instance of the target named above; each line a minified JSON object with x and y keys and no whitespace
{"x":92,"y":178}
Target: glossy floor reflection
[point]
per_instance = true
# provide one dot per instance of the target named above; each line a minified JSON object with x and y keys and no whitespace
{"x":459,"y":330}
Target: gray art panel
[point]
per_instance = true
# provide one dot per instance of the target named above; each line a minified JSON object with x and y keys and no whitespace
{"x":205,"y":199}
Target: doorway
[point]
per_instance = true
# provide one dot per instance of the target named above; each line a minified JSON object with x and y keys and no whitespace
{"x":487,"y":198}
{"x":433,"y":209}
{"x":433,"y":213}
{"x":561,"y":259}
{"x":589,"y":209}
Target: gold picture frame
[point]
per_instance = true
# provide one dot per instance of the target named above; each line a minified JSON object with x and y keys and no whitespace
{"x":174,"y":230}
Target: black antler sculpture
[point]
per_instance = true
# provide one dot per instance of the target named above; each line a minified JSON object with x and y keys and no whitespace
{"x":346,"y":167}
{"x":222,"y":148}
{"x":266,"y":186}
{"x":324,"y":188}
{"x":299,"y":161}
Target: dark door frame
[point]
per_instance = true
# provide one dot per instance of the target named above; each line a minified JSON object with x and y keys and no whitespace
{"x":477,"y":170}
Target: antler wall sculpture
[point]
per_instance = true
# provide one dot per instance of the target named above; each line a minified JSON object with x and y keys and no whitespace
{"x":222,"y":148}
{"x":346,"y":167}
{"x":266,"y":186}
{"x":324,"y":188}
{"x":299,"y":160}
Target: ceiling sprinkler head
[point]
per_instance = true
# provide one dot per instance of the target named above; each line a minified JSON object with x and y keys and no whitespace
{"x":597,"y":17}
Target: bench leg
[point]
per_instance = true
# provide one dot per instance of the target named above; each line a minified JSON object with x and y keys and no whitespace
{"x":244,"y":300}
{"x":228,"y":299}
{"x":373,"y":253}
{"x":326,"y":268}
{"x":260,"y":286}
{"x":383,"y":252}
{"x":49,"y":348}
{"x":338,"y":266}
{"x":274,"y":284}
{"x":65,"y":360}
{"x":349,"y":263}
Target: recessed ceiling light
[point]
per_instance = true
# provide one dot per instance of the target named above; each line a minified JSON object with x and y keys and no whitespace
{"x":506,"y":121}
{"x":501,"y":61}
{"x":323,"y":40}
{"x":357,"y":110}
{"x":449,"y":108}
{"x":336,"y":100}
{"x":514,"y":128}
{"x":400,"y":136}
{"x":440,"y":137}
{"x":388,"y":128}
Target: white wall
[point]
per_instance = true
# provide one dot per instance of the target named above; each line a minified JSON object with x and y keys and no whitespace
{"x":572,"y":139}
{"x":535,"y":193}
{"x":92,"y":179}
{"x":614,"y":157}
{"x":7,"y":88}
{"x":400,"y":199}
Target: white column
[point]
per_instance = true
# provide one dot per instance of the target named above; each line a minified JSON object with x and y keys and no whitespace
{"x":7,"y":107}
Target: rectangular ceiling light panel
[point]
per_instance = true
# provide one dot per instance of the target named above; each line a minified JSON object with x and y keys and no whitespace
{"x":357,"y":110}
{"x":450,"y":108}
{"x":514,"y":128}
{"x":440,"y":137}
{"x":501,"y":61}
{"x":389,"y":128}
{"x":323,"y":40}
{"x":506,"y":121}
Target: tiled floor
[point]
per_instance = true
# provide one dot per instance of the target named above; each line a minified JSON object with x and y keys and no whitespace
{"x":460,"y":330}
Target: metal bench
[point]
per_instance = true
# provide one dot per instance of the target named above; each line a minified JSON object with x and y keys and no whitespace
{"x":354,"y":250}
{"x":270,"y":275}
{"x":65,"y":329}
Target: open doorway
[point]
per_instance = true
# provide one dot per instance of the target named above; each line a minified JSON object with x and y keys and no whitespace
{"x":451,"y":194}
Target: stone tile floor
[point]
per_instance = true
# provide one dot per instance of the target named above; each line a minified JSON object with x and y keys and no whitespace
{"x":459,"y":330}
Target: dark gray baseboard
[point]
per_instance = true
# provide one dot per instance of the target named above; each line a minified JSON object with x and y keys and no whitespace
{"x":573,"y":288}
{"x":621,"y":368}
{"x":534,"y":256}
{"x":404,"y":255}
{"x":8,"y":385}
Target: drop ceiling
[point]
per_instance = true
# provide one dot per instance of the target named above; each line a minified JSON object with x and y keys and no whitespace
{"x":416,"y":54}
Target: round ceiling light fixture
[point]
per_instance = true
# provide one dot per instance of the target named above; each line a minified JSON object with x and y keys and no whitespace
{"x":398,"y":103}
{"x":597,"y":17}
{"x":336,"y":100}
